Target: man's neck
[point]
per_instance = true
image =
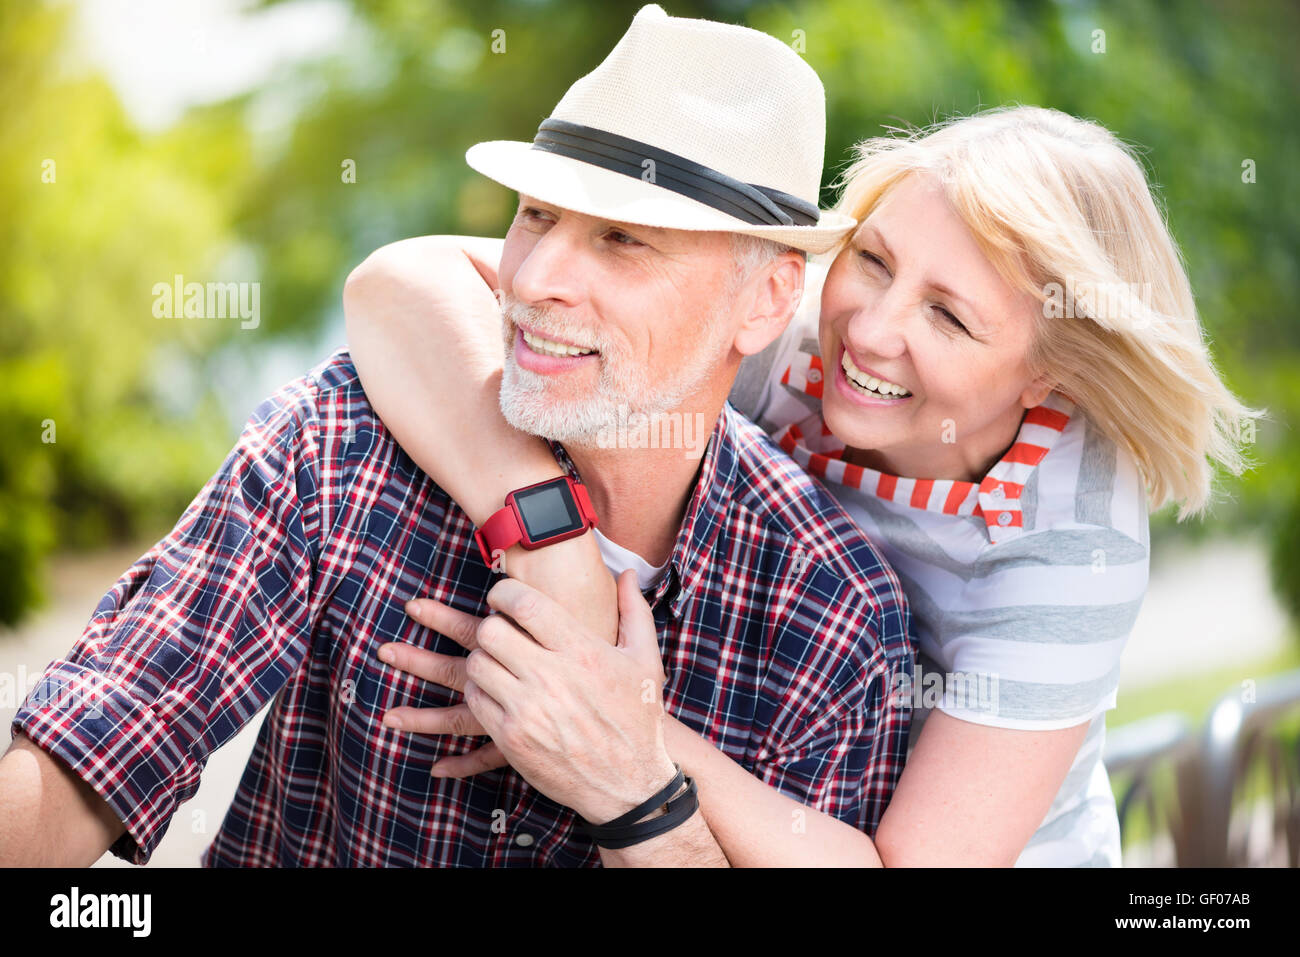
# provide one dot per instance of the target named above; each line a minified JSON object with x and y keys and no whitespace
{"x":640,"y":494}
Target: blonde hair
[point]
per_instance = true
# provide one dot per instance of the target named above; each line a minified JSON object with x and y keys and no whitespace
{"x":1062,"y":208}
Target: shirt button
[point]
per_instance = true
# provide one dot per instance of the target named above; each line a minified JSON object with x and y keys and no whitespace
{"x":814,"y":375}
{"x":1004,"y":518}
{"x":524,"y":840}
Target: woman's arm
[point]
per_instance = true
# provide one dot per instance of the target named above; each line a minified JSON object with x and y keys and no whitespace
{"x":424,"y":329}
{"x":972,"y":795}
{"x":969,"y":796}
{"x":755,"y":824}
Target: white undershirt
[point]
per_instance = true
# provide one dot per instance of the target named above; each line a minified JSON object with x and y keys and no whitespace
{"x":619,"y":559}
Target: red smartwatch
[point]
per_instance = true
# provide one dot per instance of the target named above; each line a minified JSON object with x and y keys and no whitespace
{"x":537,"y":515}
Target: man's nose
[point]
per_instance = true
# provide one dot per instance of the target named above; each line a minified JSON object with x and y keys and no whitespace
{"x":879,"y":328}
{"x":552,"y":270}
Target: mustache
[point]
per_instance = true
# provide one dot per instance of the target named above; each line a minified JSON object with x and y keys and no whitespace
{"x":548,"y":323}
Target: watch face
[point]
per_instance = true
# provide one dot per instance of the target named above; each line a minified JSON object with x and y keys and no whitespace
{"x":548,"y":510}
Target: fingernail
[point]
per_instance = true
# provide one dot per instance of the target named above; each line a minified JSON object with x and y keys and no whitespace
{"x":412,"y":607}
{"x":386,"y":654}
{"x":393,"y":721}
{"x":435,"y":772}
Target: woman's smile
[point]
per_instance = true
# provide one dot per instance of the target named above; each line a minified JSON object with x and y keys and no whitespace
{"x":863,"y":388}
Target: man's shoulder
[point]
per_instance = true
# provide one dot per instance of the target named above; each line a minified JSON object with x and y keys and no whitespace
{"x":327,"y":398}
{"x":333,"y":385}
{"x":300,"y":400}
{"x":791,"y":505}
{"x":325,"y":416}
{"x":335,"y":374}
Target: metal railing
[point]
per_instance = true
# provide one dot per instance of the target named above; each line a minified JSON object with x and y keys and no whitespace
{"x":1232,"y":797}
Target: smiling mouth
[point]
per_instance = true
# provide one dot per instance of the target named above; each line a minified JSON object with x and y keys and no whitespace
{"x":549,"y":347}
{"x":869,"y":384}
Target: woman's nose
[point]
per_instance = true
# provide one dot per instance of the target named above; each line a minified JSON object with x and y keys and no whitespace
{"x":878,"y":328}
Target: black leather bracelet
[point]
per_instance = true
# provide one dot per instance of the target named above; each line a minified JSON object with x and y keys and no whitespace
{"x":628,"y":829}
{"x":679,"y":810}
{"x":655,"y":800}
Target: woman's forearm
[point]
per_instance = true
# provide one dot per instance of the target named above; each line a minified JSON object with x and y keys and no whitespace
{"x":754,"y":823}
{"x":424,"y":330}
{"x":970,"y":795}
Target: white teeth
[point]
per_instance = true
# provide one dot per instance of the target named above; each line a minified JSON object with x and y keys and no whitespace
{"x":538,"y":344}
{"x":869,"y":383}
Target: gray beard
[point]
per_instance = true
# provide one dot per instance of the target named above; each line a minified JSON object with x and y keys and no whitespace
{"x":527,"y":406}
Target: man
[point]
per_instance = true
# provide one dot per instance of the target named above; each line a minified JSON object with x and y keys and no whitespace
{"x":288,"y":573}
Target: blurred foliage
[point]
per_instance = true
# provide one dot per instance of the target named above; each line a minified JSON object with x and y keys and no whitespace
{"x":226,"y":194}
{"x":1284,"y":556}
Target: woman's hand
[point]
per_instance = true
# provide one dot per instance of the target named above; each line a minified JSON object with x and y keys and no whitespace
{"x":448,"y":671}
{"x":569,"y":680}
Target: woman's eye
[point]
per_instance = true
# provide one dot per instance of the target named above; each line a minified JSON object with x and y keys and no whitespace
{"x":873,"y":259}
{"x":951,"y":320}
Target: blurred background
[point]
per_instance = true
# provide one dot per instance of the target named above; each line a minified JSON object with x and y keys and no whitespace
{"x":273,"y":145}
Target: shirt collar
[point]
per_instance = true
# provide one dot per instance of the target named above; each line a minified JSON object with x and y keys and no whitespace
{"x":704,"y":512}
{"x":995,"y":499}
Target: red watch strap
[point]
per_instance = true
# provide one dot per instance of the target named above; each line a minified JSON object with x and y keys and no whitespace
{"x":502,"y":529}
{"x":585,"y":508}
{"x":498,"y":533}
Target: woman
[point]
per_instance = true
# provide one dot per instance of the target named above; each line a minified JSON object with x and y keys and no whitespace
{"x":1008,"y":366}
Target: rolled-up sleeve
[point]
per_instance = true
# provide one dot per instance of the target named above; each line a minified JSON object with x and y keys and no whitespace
{"x":196,"y":636}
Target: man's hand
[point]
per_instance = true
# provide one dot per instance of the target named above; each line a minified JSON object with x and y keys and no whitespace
{"x":580,"y":719}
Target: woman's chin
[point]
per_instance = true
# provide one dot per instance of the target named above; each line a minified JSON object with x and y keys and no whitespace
{"x":852,"y":427}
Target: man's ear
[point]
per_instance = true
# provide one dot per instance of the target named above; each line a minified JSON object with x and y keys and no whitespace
{"x":774,"y":293}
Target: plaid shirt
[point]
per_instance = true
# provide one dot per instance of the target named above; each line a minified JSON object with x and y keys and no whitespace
{"x":781,"y":630}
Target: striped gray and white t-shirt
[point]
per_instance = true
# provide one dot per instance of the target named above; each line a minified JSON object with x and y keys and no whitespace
{"x":1023,"y":587}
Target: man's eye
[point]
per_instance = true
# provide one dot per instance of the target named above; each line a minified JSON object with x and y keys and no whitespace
{"x":532,"y":212}
{"x":623,"y":239}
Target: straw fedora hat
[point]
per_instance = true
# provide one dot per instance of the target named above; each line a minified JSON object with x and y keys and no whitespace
{"x":687,"y":124}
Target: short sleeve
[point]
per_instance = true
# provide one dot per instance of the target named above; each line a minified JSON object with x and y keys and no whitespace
{"x":194,"y":638}
{"x":1038,"y":641}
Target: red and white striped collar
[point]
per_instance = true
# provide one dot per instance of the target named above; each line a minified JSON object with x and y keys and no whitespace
{"x":996,"y":499}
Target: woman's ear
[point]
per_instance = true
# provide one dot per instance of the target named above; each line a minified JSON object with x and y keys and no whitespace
{"x":1036,"y":392}
{"x":775,"y":297}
